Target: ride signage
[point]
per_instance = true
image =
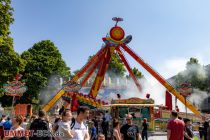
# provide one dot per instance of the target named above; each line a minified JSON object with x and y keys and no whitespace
{"x":133,"y":101}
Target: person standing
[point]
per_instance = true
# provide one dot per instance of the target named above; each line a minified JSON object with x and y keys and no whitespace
{"x":145,"y":129}
{"x":79,"y":127}
{"x":93,"y":132}
{"x":188,"y":134}
{"x":25,"y":124}
{"x":107,"y":116}
{"x":116,"y":130}
{"x":56,"y":111}
{"x":175,"y":128}
{"x":95,"y":121}
{"x":130,"y":131}
{"x":205,"y":128}
{"x":39,"y":126}
{"x":64,"y":128}
{"x":16,"y":126}
{"x":200,"y":130}
{"x":8,"y":124}
{"x":208,"y":133}
{"x":105,"y":127}
{"x":2,"y":120}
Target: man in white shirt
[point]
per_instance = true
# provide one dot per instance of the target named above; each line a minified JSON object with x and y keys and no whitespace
{"x":79,"y":127}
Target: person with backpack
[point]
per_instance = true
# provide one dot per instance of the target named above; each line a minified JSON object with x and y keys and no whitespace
{"x":78,"y":126}
{"x":40,"y":127}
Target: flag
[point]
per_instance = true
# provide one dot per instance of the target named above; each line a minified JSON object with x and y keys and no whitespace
{"x":168,"y":100}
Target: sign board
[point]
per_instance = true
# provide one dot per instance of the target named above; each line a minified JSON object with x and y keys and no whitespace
{"x":133,"y":101}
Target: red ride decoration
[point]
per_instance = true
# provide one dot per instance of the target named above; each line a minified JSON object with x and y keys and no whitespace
{"x":117,"y":33}
{"x":75,"y":104}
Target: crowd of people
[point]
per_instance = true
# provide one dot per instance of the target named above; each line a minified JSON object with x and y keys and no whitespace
{"x":66,"y":127}
{"x":181,"y":129}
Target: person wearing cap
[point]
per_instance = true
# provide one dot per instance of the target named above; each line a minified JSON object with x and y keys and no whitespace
{"x":130,"y":131}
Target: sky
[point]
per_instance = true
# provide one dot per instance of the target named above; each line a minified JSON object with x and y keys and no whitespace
{"x":166,"y":33}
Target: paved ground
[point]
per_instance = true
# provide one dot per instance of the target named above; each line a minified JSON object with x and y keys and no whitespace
{"x":157,"y":138}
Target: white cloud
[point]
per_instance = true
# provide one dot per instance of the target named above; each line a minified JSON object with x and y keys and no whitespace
{"x":172,"y":66}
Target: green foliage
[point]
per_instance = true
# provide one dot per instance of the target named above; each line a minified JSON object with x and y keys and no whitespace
{"x":116,"y":66}
{"x":43,"y":61}
{"x":10,"y":61}
{"x":137,"y":73}
{"x":5,"y":20}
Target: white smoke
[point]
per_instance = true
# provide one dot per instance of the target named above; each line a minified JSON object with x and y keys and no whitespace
{"x":198,"y":97}
{"x":149,"y":85}
{"x":178,"y":65}
{"x":54,"y":84}
{"x":198,"y":70}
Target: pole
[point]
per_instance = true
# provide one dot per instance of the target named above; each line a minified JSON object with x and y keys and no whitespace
{"x":13,"y":101}
{"x":185,"y":106}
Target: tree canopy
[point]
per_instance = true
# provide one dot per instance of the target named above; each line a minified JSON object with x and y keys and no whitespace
{"x":137,"y":73}
{"x":116,"y":66}
{"x":43,"y":61}
{"x":10,"y":62}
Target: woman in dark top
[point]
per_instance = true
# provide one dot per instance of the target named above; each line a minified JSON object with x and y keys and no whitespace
{"x":205,"y":128}
{"x":145,"y":128}
{"x":188,"y":134}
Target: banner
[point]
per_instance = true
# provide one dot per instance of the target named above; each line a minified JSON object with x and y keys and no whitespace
{"x":168,"y":100}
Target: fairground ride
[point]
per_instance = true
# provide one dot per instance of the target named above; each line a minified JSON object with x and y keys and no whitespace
{"x":115,"y":42}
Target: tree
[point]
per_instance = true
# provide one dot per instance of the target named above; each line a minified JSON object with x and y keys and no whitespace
{"x":44,"y":61}
{"x":10,"y":61}
{"x":137,"y":73}
{"x":192,"y":61}
{"x":116,"y":67}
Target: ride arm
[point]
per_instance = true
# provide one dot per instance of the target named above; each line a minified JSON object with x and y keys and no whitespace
{"x":101,"y":72}
{"x":128,"y":68}
{"x":87,"y":66}
{"x":92,"y":70}
{"x":170,"y":88}
{"x":75,"y":78}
